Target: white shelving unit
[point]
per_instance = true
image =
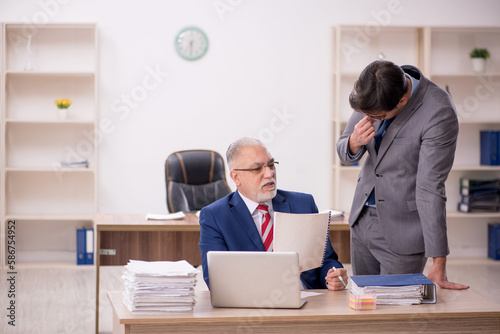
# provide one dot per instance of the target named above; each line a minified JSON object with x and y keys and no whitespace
{"x":40,"y":65}
{"x":442,"y":53}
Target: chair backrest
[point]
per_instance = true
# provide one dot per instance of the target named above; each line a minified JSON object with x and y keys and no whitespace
{"x":194,"y":179}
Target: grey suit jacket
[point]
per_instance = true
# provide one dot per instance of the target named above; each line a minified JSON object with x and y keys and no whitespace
{"x":409,"y":171}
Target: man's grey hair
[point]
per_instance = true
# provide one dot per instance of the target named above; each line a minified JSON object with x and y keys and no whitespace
{"x":234,"y":149}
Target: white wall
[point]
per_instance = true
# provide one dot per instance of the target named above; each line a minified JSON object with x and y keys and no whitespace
{"x":265,"y":58}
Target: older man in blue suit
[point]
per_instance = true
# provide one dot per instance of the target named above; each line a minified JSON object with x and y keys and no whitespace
{"x":235,"y":223}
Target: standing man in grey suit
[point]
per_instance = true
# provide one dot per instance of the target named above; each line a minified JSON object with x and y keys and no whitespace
{"x":398,"y":215}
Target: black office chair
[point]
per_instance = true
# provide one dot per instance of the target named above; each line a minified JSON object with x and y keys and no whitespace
{"x":194,"y":179}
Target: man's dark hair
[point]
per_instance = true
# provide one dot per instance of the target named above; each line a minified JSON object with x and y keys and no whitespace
{"x":379,"y":87}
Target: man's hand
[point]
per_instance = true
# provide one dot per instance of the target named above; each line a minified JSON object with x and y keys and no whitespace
{"x":437,"y":274}
{"x":333,"y":281}
{"x":363,"y":132}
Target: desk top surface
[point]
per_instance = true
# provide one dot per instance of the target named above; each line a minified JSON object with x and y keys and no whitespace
{"x":328,"y":305}
{"x":133,"y":221}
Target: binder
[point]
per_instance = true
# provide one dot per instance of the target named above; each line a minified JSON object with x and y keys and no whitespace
{"x":81,"y":246}
{"x":478,"y":207}
{"x":494,"y":241}
{"x":489,"y":141}
{"x":475,"y":186}
{"x":429,"y":295}
{"x":89,"y":245}
{"x":482,"y":199}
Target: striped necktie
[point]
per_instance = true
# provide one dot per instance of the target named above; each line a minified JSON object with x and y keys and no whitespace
{"x":267,"y":228}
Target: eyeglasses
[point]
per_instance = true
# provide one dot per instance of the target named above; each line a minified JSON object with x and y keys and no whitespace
{"x":258,"y":170}
{"x":377,"y":117}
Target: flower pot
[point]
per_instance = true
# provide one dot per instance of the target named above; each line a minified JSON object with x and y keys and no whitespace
{"x":63,"y":113}
{"x":479,"y":65}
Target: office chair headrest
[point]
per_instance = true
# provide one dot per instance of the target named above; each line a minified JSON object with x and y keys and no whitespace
{"x":195,"y":167}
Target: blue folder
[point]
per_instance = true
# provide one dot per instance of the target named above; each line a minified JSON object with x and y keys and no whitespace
{"x":81,"y":246}
{"x":489,"y":148}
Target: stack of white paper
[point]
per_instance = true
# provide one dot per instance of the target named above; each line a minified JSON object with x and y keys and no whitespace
{"x":391,"y":295}
{"x":159,"y":286}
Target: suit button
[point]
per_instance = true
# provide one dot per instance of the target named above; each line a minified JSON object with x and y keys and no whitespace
{"x":366,"y":194}
{"x":378,"y":175}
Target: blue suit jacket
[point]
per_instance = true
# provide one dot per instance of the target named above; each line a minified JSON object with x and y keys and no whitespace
{"x":227,"y":225}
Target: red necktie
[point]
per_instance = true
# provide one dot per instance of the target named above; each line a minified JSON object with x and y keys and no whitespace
{"x":267,"y":228}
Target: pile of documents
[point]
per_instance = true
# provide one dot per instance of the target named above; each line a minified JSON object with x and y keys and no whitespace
{"x":391,"y":295}
{"x":409,"y":289}
{"x":159,"y":286}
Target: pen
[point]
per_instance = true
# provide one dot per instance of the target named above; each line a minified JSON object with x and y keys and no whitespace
{"x":340,"y":278}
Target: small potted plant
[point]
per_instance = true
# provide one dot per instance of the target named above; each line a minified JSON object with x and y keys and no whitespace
{"x":63,"y":105}
{"x":479,"y":57}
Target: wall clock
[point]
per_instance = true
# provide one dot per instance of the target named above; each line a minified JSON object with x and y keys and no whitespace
{"x":191,"y":43}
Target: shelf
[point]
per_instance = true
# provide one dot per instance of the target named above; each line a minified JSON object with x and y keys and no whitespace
{"x":52,"y":265}
{"x":31,"y":98}
{"x":49,"y":169}
{"x":49,"y":122}
{"x":45,"y":145}
{"x":456,"y":214}
{"x":50,"y":74}
{"x":479,"y":121}
{"x":50,"y":47}
{"x":465,"y":75}
{"x":47,"y":217}
{"x":356,"y":46}
{"x":475,"y":168}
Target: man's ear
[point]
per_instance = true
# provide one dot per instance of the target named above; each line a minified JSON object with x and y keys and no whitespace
{"x":403,"y":101}
{"x":236,"y":177}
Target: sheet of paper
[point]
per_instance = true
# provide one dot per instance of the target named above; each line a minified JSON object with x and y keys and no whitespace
{"x":305,"y":294}
{"x":335,"y":213}
{"x":305,"y":234}
{"x":165,"y":216}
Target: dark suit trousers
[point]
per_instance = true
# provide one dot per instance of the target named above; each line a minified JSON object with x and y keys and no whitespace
{"x":370,"y":253}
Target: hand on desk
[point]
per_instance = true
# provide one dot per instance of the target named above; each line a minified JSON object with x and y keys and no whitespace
{"x":437,"y":274}
{"x":333,"y":281}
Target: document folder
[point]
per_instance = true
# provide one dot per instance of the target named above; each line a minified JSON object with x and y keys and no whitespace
{"x":89,"y":259}
{"x":81,"y":246}
{"x":428,"y":292}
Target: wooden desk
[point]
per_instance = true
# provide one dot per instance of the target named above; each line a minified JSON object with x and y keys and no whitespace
{"x":132,"y":236}
{"x":455,"y":312}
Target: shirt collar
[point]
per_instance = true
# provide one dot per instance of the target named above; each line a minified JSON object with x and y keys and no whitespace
{"x":251,"y":205}
{"x":414,"y":83}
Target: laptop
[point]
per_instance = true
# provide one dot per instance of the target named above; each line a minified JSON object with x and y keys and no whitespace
{"x":254,"y":279}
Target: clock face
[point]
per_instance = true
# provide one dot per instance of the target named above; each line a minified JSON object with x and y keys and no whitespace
{"x":191,"y":43}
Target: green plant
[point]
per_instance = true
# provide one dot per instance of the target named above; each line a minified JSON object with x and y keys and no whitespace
{"x":480,"y":53}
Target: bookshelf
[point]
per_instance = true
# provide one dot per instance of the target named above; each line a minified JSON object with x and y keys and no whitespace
{"x":442,"y":53}
{"x":41,"y":64}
